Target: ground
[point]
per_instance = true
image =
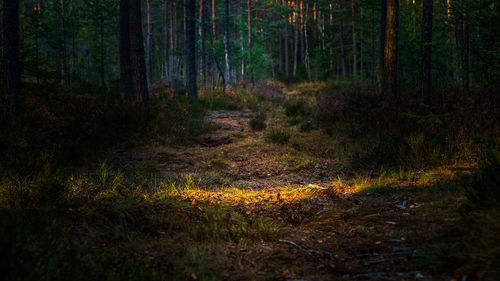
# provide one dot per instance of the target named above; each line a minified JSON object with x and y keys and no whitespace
{"x":286,"y":212}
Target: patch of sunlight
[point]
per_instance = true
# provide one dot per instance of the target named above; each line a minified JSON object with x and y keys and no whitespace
{"x":233,"y":195}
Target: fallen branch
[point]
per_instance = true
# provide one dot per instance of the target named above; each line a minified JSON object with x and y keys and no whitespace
{"x":296,"y":246}
{"x":308,"y":251}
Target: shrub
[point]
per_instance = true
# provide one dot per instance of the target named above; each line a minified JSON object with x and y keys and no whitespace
{"x":296,"y":107}
{"x":278,"y":135}
{"x":258,"y":122}
{"x":59,"y":129}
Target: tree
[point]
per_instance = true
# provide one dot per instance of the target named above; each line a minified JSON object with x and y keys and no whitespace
{"x":226,"y":45}
{"x":149,"y":46}
{"x":132,"y":53}
{"x":139,"y":79}
{"x":426,"y":50}
{"x":126,"y":87}
{"x":390,"y":59}
{"x":11,"y":81}
{"x":191,"y":49}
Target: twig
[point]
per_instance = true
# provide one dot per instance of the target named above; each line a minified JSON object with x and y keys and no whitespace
{"x":308,"y":251}
{"x":296,"y":245}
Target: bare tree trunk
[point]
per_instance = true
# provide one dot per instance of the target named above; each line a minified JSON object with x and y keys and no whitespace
{"x":342,"y":49}
{"x":149,"y":46}
{"x":354,"y":48}
{"x":101,"y":50}
{"x":427,"y":12}
{"x":389,"y":77}
{"x":190,"y":21}
{"x":295,"y":39}
{"x":64,"y":64}
{"x":11,"y":80}
{"x":383,"y":23}
{"x":203,"y":55}
{"x":166,"y":54}
{"x":138,"y":63}
{"x":306,"y":43}
{"x":175,"y":59}
{"x":126,"y":87}
{"x":287,"y":52}
{"x":372,"y":51}
{"x":249,"y":13}
{"x":212,"y":49}
{"x":281,"y":58}
{"x":37,"y":43}
{"x":226,"y":45}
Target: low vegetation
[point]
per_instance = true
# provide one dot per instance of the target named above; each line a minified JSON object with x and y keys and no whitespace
{"x":180,"y":211}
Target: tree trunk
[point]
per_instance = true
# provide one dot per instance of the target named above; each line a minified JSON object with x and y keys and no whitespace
{"x":138,"y":63}
{"x":383,"y":23}
{"x":175,"y":42}
{"x":287,"y":52}
{"x":226,"y":45}
{"x":295,"y":39}
{"x":203,"y":55}
{"x":64,"y":64}
{"x":354,"y":49}
{"x":389,"y":77}
{"x":249,"y":13}
{"x":372,"y":51}
{"x":11,"y":81}
{"x":306,"y":43}
{"x":214,"y":67}
{"x":149,"y":46}
{"x":342,"y":49}
{"x":101,"y":49}
{"x":426,"y":50}
{"x":166,"y":53}
{"x":191,"y":49}
{"x":37,"y":43}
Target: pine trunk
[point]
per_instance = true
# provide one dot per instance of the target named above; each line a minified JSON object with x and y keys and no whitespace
{"x":226,"y":45}
{"x":11,"y":81}
{"x":149,"y":46}
{"x":191,"y":49}
{"x":389,"y":77}
{"x":427,"y":12}
{"x":126,"y":87}
{"x":138,"y":63}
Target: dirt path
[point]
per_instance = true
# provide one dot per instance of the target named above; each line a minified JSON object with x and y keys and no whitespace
{"x":326,"y":232}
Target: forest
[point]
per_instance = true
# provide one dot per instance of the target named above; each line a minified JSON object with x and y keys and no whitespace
{"x":293,"y":140}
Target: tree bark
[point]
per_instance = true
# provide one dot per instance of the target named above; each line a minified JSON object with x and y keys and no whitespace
{"x":226,"y":45}
{"x":138,"y":63}
{"x":191,"y":49}
{"x":249,"y":13}
{"x":101,"y":49}
{"x":342,"y":49}
{"x":427,"y":12}
{"x":11,"y":81}
{"x":354,"y":48}
{"x":166,"y":53}
{"x":149,"y":46}
{"x":389,"y":77}
{"x":126,"y":87}
{"x":383,"y":23}
{"x":295,"y":39}
{"x":64,"y":64}
{"x":203,"y":58}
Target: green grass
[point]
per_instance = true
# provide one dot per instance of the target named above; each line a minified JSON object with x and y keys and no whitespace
{"x":110,"y":226}
{"x":278,"y":136}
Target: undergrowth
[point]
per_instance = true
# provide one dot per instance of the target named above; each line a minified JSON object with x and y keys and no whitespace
{"x":109,"y":226}
{"x":470,"y":247}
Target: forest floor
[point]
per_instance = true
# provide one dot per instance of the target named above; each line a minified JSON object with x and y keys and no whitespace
{"x":261,"y":211}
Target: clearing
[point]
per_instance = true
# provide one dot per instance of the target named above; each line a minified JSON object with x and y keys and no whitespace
{"x":284,"y":212}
